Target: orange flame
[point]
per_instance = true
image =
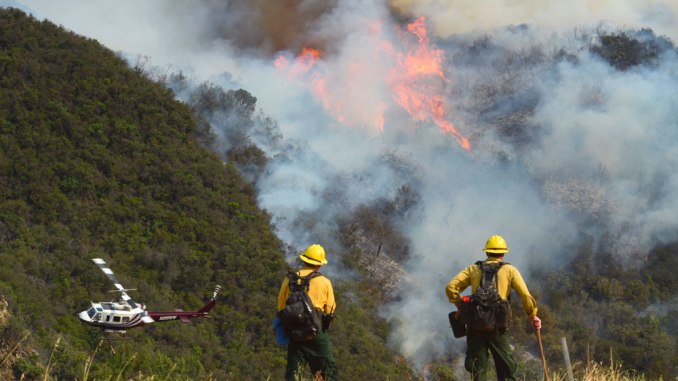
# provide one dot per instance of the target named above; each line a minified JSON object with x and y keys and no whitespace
{"x":424,"y":60}
{"x":416,"y":80}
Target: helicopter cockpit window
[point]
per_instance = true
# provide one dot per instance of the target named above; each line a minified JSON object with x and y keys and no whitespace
{"x":96,"y":317}
{"x":90,"y":312}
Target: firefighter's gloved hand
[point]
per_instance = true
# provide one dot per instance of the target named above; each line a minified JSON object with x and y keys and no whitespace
{"x":326,"y":320}
{"x":536,"y":322}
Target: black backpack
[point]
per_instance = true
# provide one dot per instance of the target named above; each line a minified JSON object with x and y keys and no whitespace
{"x":300,"y":320}
{"x":485,"y":310}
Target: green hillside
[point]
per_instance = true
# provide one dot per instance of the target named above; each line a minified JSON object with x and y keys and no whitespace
{"x":96,"y":160}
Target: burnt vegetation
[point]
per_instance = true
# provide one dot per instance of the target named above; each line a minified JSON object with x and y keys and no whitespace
{"x":501,"y":99}
{"x":627,"y":49}
{"x":376,"y":246}
{"x":498,"y":92}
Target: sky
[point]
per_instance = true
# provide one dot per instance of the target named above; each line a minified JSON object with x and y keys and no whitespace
{"x":462,"y":101}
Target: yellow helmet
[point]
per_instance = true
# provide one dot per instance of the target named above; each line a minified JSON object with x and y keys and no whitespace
{"x":314,"y":255}
{"x":496,"y":245}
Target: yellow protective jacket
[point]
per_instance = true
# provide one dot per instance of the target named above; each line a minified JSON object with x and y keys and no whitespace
{"x":508,"y":277}
{"x":319,"y":290}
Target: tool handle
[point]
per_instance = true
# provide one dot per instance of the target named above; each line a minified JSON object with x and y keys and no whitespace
{"x":543,"y":359}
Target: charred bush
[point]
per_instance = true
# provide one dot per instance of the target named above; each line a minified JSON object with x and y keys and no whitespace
{"x":623,"y":50}
{"x":377,"y":249}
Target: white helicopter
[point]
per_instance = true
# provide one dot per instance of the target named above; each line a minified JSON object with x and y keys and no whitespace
{"x":125,"y":314}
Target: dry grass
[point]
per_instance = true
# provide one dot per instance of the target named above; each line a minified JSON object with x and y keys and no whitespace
{"x":599,"y":372}
{"x":591,"y":371}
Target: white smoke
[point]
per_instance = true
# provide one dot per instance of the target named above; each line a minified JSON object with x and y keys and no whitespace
{"x":450,"y":17}
{"x":605,"y":145}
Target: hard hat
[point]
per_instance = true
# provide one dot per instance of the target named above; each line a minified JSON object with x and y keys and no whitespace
{"x":314,"y":255}
{"x":496,"y":245}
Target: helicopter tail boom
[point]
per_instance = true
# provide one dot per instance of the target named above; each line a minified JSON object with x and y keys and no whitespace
{"x":208,"y":307}
{"x":184,"y":316}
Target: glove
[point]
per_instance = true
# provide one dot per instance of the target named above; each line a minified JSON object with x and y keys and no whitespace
{"x":326,"y":320}
{"x":536,"y":322}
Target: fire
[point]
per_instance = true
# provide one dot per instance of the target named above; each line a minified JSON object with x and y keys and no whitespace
{"x":424,"y":60}
{"x":303,"y":63}
{"x":415,"y":79}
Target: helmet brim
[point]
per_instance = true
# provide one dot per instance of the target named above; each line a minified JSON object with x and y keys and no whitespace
{"x":496,"y":251}
{"x":312,"y":261}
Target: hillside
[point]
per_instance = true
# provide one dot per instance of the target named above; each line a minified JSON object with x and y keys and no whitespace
{"x":99,"y":161}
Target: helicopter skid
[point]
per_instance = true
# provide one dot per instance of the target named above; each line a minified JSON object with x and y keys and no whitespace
{"x":109,"y":334}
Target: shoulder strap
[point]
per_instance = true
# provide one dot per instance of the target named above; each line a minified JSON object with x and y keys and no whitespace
{"x":300,"y":282}
{"x":489,"y":277}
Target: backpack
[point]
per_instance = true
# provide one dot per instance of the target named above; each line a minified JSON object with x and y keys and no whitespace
{"x":300,"y":320}
{"x":485,"y":310}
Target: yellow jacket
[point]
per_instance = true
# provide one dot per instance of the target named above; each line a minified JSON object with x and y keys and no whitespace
{"x":508,"y":277}
{"x":319,"y":290}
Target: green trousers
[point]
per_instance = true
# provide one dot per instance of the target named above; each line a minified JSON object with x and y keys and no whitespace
{"x":317,"y":353}
{"x":478,"y":346}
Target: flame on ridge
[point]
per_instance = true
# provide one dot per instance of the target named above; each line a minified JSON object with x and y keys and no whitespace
{"x":415,"y":79}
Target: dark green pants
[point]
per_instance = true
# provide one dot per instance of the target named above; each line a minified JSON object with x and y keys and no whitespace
{"x":317,"y":353}
{"x":497,"y":343}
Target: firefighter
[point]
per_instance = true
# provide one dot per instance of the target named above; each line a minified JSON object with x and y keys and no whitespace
{"x":316,"y":352}
{"x":497,"y":341}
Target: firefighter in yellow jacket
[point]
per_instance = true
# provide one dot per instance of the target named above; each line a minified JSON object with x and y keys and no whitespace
{"x":496,"y":342}
{"x":316,"y":352}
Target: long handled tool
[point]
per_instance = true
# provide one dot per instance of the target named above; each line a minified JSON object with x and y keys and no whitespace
{"x":543,"y":359}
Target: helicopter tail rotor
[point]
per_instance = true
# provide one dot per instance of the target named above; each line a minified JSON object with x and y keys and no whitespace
{"x":212,"y":302}
{"x":216,"y":291}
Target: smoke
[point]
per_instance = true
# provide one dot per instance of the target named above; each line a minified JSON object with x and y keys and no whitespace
{"x":450,"y":17}
{"x":565,"y":142}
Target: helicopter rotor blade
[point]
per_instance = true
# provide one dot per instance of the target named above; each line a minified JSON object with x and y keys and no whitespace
{"x":109,"y":273}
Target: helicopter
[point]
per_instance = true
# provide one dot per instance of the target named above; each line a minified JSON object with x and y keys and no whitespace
{"x":118,"y":317}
